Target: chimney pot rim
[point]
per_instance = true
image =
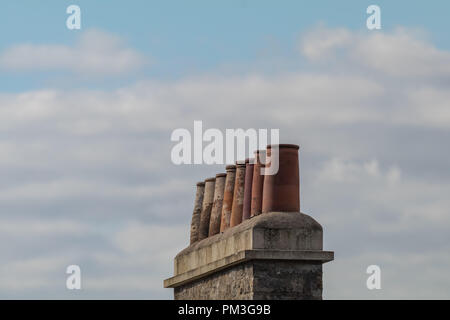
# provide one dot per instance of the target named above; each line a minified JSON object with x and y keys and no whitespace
{"x":222,"y":174}
{"x":284,"y":145}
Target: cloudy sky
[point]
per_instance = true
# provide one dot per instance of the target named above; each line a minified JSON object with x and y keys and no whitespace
{"x":86,"y":118}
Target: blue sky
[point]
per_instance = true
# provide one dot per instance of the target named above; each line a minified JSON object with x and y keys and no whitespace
{"x":86,"y":118}
{"x":186,"y":37}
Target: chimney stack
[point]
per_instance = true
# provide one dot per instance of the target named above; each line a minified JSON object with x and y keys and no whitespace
{"x":260,"y":246}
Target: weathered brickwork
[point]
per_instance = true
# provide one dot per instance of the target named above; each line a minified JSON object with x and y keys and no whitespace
{"x":261,"y":279}
{"x":234,"y":282}
{"x":287,"y":280}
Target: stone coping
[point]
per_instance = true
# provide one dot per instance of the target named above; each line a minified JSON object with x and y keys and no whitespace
{"x":311,"y":256}
{"x":268,"y":231}
{"x":270,"y":220}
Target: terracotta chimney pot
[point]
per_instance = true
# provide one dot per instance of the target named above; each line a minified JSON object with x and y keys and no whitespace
{"x":195,"y":222}
{"x":228,"y":197}
{"x":216,"y":211}
{"x":238,"y":195}
{"x":208,"y":200}
{"x":257,"y":184}
{"x":249,"y":164}
{"x":282,"y":190}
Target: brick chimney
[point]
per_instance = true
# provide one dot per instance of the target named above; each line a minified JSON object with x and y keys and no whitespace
{"x":276,"y":253}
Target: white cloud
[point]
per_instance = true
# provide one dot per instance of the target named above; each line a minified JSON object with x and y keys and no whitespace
{"x":95,"y":53}
{"x":62,"y":189}
{"x":403,"y":53}
{"x":135,"y":238}
{"x":373,"y":164}
{"x":320,"y":43}
{"x":30,"y":273}
{"x":408,"y":277}
{"x":38,"y":228}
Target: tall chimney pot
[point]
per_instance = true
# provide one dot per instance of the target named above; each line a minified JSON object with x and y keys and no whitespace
{"x":208,"y":200}
{"x":249,"y":164}
{"x":228,"y":197}
{"x":238,"y":196}
{"x":195,"y":222}
{"x":216,"y":211}
{"x":281,"y":191}
{"x":257,"y":184}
